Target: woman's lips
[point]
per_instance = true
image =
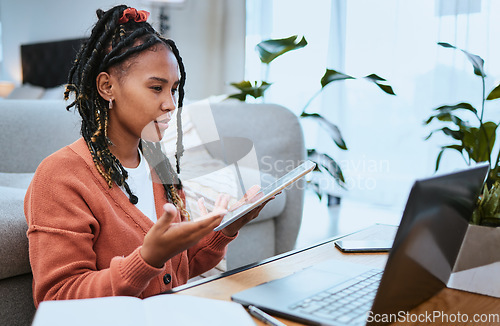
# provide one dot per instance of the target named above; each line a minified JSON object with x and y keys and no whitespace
{"x":162,"y":121}
{"x":162,"y":124}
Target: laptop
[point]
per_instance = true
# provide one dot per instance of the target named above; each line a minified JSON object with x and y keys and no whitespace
{"x":419,"y":265}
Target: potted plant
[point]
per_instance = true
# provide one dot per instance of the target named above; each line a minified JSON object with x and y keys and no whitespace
{"x":474,"y":138}
{"x":271,"y":49}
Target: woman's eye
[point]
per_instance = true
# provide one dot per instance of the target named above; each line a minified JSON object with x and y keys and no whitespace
{"x":174,"y":91}
{"x":157,"y":88}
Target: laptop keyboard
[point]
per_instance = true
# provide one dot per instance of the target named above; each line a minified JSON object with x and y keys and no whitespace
{"x":347,"y":305}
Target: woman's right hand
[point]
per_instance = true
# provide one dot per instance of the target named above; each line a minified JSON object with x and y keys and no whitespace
{"x":166,"y":239}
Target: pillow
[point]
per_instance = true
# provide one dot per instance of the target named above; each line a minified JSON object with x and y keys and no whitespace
{"x":26,"y":92}
{"x":54,"y":93}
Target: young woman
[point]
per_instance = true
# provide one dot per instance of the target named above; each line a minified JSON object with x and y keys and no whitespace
{"x":106,"y":214}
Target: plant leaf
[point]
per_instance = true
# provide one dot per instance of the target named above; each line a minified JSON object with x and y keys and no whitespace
{"x":375,"y":78}
{"x":446,"y":45}
{"x":495,"y":93}
{"x":248,"y":88}
{"x":438,"y":159}
{"x":487,"y":211}
{"x":479,"y":143}
{"x":328,"y":164}
{"x":333,"y":75}
{"x":445,"y":116}
{"x":316,"y":188}
{"x":458,"y":148}
{"x":331,"y":128}
{"x":477,"y":61}
{"x":271,"y":49}
{"x":455,"y":134}
{"x":239,"y":96}
{"x":242,"y":84}
{"x":477,"y":214}
{"x":462,"y":105}
{"x":386,"y":88}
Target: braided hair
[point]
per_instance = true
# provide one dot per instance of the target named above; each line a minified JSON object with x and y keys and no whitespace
{"x":110,"y":44}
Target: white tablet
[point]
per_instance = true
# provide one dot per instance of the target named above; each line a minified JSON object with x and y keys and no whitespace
{"x":261,"y":196}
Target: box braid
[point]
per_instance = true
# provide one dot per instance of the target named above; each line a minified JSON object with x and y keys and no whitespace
{"x":111,"y":44}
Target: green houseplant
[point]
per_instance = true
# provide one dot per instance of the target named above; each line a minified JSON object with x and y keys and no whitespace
{"x":474,"y":138}
{"x":269,"y":50}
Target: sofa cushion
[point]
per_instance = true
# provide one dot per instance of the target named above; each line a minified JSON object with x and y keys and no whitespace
{"x":13,"y":239}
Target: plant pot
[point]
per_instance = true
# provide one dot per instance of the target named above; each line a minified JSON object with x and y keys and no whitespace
{"x":478,"y":263}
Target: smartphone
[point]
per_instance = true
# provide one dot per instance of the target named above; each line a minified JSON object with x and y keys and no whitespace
{"x":364,"y":245}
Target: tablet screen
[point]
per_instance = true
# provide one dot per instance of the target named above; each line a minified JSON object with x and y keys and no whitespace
{"x":261,"y":196}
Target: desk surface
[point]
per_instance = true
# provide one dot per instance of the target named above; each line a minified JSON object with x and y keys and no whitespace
{"x":447,"y":301}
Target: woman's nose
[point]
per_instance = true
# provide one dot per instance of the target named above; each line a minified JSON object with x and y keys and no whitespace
{"x":168,"y":105}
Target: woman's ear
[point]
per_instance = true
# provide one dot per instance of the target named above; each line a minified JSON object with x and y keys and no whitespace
{"x":103,"y":83}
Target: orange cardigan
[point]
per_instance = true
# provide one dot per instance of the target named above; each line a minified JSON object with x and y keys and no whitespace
{"x":84,"y":238}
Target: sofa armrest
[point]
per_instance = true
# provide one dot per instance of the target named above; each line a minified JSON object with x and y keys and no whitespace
{"x":13,"y":239}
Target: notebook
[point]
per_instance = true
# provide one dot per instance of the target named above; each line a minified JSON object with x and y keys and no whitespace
{"x":419,"y":265}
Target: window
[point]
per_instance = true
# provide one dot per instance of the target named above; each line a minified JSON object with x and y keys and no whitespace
{"x":397,"y":40}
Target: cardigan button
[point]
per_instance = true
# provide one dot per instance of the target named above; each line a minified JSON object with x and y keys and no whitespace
{"x":167,"y":278}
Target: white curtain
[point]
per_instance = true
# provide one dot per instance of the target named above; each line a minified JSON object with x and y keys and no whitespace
{"x":397,"y":40}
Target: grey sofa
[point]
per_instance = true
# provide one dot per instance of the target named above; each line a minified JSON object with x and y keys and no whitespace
{"x":30,"y":130}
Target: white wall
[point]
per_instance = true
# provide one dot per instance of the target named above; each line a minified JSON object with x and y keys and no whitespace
{"x":213,"y":57}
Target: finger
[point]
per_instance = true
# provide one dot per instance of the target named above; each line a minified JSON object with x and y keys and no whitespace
{"x":212,"y":219}
{"x":202,"y":207}
{"x":235,"y":206}
{"x":170,"y":212}
{"x":217,"y":201}
{"x":252,"y":191}
{"x":223,"y":202}
{"x":247,"y":197}
{"x":216,"y":212}
{"x":238,"y":204}
{"x":256,"y":197}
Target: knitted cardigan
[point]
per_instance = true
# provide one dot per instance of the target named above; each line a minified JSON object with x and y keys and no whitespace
{"x":85,"y":238}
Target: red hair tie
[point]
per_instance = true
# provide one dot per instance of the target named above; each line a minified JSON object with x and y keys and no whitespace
{"x":132,"y":13}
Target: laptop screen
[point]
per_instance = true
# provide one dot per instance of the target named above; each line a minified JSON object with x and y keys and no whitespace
{"x":428,"y":241}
